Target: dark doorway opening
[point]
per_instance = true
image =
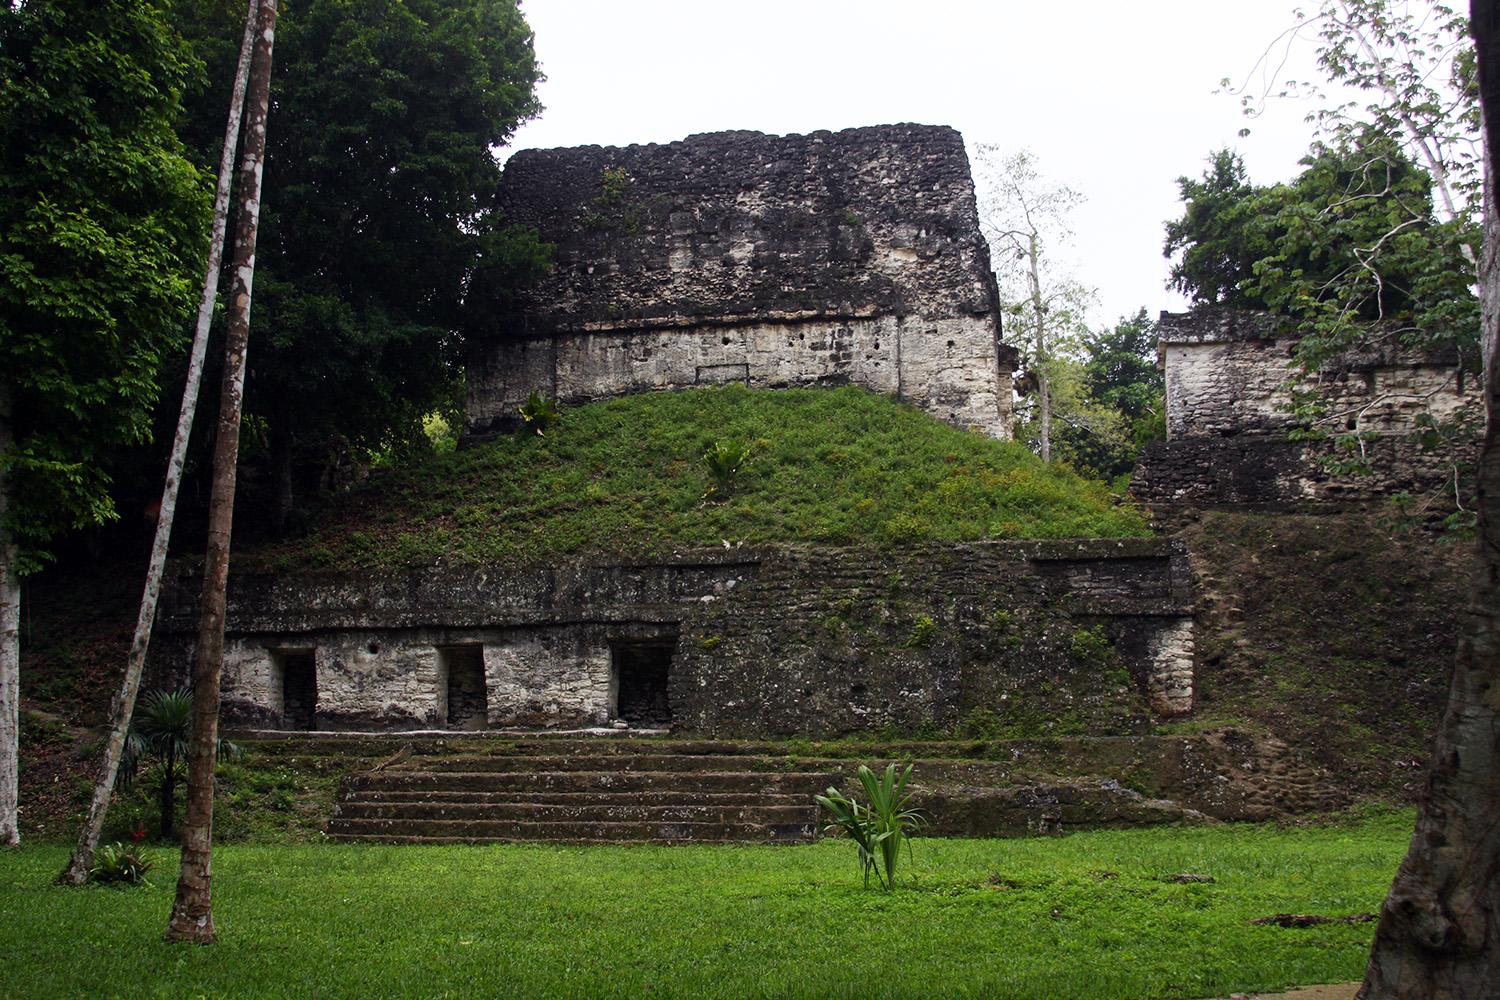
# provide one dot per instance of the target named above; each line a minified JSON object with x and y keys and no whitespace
{"x":641,"y":669}
{"x":299,"y":689}
{"x":462,"y":685}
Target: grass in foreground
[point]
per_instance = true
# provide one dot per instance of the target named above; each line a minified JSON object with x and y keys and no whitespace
{"x":1082,"y":916}
{"x":835,"y":466}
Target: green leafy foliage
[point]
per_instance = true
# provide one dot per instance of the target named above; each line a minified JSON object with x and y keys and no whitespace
{"x":724,"y":460}
{"x":381,"y":248}
{"x":538,"y":414}
{"x":1353,"y":257}
{"x":1352,"y":241}
{"x":102,"y":224}
{"x":160,"y":730}
{"x":840,"y":466}
{"x":878,"y":827}
{"x":117,"y":864}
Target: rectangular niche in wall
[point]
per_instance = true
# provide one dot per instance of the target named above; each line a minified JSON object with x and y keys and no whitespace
{"x":641,"y":668}
{"x":299,"y":688}
{"x":461,"y":687}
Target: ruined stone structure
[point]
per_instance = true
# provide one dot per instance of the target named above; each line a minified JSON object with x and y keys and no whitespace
{"x":773,"y":261}
{"x":1091,"y":636}
{"x":1228,"y":408}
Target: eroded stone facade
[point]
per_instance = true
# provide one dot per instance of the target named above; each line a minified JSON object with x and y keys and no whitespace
{"x":851,"y":257}
{"x":1229,"y":376}
{"x":1091,"y":636}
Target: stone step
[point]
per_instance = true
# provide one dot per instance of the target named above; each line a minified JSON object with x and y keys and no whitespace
{"x":593,"y":762}
{"x":757,"y":782}
{"x":648,"y":798}
{"x":567,"y":830}
{"x":417,"y":840}
{"x":582,"y":811}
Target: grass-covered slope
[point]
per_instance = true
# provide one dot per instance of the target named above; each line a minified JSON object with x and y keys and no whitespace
{"x":837,"y":466}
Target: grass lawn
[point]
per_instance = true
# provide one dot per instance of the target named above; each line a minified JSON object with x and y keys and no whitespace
{"x":1086,"y":915}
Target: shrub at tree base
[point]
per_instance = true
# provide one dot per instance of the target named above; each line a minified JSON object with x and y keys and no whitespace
{"x":116,"y":864}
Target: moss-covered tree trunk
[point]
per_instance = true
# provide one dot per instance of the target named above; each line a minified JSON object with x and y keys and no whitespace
{"x":168,"y":792}
{"x":1439,"y":932}
{"x":192,"y":913}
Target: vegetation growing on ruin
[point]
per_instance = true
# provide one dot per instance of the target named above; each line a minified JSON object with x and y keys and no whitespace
{"x":1092,"y":914}
{"x":1332,"y":633}
{"x":829,"y":466}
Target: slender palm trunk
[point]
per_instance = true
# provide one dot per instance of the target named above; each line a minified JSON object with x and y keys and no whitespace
{"x":192,"y":913}
{"x":169,"y":793}
{"x":82,"y":859}
{"x":1439,"y":931}
{"x":10,"y":645}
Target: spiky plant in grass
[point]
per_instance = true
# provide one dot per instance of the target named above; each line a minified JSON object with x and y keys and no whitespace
{"x":724,"y":460}
{"x":880,"y":826}
{"x":116,"y":864}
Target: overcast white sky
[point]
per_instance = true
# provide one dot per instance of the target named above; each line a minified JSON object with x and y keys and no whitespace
{"x":1115,"y":98}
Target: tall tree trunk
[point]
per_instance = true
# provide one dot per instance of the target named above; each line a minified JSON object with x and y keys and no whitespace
{"x":10,"y":643}
{"x":1039,"y":317}
{"x":77,"y":870}
{"x":1439,"y":932}
{"x":169,"y":793}
{"x":192,"y":913}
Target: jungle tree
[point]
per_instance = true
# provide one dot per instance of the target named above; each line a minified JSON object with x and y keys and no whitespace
{"x":102,"y":219}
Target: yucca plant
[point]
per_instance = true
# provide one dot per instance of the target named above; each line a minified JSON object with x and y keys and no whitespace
{"x":538,"y":414}
{"x":879,"y":827}
{"x":724,"y":460}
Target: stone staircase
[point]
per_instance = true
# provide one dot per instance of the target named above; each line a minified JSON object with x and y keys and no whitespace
{"x":448,"y":787}
{"x":584,"y":791}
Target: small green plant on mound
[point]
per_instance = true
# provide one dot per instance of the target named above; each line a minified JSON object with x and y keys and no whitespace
{"x":539,"y":414}
{"x":879,"y":827}
{"x":116,"y":864}
{"x":724,"y":460}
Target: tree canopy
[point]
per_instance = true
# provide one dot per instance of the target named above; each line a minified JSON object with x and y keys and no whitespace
{"x":103,"y":217}
{"x":1352,"y":240}
{"x":381,"y":170}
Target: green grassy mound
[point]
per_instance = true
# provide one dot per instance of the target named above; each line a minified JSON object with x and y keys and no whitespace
{"x":839,"y":466}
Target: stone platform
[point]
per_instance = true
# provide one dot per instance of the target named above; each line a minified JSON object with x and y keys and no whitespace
{"x":472,"y":788}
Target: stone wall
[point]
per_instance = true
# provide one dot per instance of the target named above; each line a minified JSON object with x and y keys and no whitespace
{"x":832,"y":258}
{"x":1228,"y":405}
{"x":1003,"y":637}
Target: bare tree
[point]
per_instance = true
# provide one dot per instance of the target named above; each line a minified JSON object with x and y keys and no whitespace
{"x":10,"y":645}
{"x":1439,"y":931}
{"x":1022,"y":217}
{"x":192,"y":913}
{"x":77,"y":870}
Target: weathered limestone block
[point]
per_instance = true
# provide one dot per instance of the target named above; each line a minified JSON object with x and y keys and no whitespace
{"x":1227,"y":372}
{"x":832,"y":258}
{"x":1171,"y":664}
{"x":550,"y":677}
{"x":1228,"y":393}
